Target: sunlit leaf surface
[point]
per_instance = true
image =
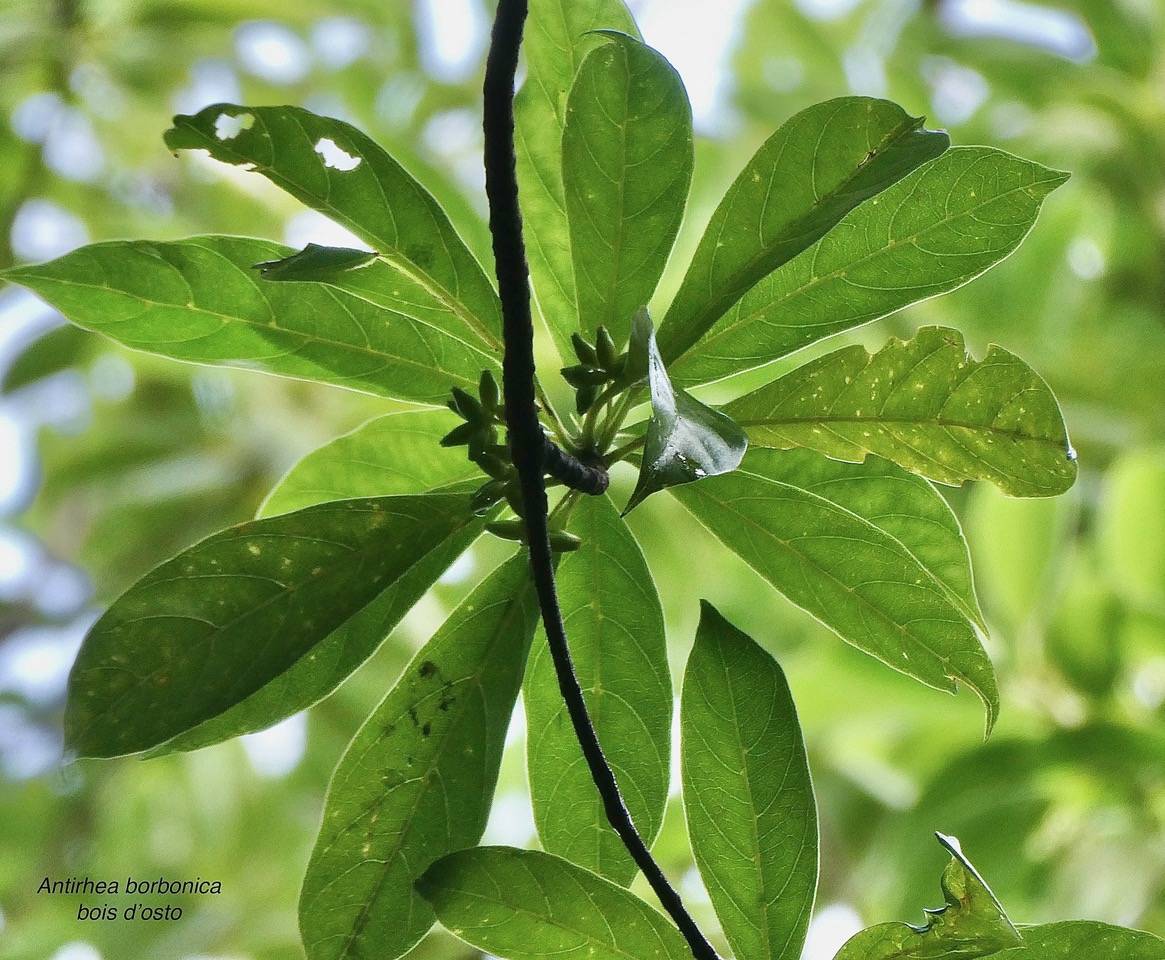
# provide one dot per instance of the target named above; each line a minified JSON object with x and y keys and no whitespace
{"x":686,"y":439}
{"x":201,"y":300}
{"x":399,"y":453}
{"x":926,"y":405}
{"x":559,"y":34}
{"x":345,"y":175}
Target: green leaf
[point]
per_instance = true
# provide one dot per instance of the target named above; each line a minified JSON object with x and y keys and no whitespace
{"x":1084,"y":940}
{"x":972,"y":923}
{"x":559,"y":34}
{"x":336,"y":657}
{"x":615,"y":623}
{"x":926,"y":405}
{"x":872,"y":552}
{"x":205,"y":630}
{"x":749,"y":801}
{"x":686,"y":440}
{"x":928,"y":234}
{"x":417,"y":781}
{"x":627,"y":160}
{"x":1084,"y":638}
{"x":1019,"y":549}
{"x":1132,"y":527}
{"x":339,"y":171}
{"x":56,"y":350}
{"x":200,"y":300}
{"x":398,"y":453}
{"x":808,"y":175}
{"x":528,"y":905}
{"x":314,"y":262}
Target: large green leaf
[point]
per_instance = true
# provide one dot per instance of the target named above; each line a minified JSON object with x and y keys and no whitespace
{"x":615,"y":624}
{"x":336,"y":657}
{"x":872,"y":552}
{"x":1084,"y":940}
{"x":928,"y":234}
{"x":418,"y":780}
{"x":55,"y":350}
{"x":200,"y":300}
{"x":528,"y":905}
{"x":398,"y":453}
{"x":339,"y":171}
{"x":928,"y":406}
{"x":808,"y":175}
{"x":971,"y":924}
{"x":749,"y":801}
{"x":1132,"y":526}
{"x":209,"y":628}
{"x":686,"y":439}
{"x":626,"y":165}
{"x":559,"y":34}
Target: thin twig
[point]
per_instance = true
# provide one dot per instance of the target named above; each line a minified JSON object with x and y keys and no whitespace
{"x":527,"y":439}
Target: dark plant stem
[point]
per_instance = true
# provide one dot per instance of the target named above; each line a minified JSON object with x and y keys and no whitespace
{"x":584,"y":476}
{"x":528,"y":443}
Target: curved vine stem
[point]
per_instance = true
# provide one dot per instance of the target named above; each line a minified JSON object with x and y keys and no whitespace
{"x":527,"y":441}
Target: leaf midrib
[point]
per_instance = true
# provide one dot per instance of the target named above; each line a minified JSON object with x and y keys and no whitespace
{"x":935,"y":422}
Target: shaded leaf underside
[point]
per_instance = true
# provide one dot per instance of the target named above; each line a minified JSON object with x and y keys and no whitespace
{"x":417,"y":782}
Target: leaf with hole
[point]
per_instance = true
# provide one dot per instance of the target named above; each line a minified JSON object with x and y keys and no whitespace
{"x":223,"y":619}
{"x":627,"y":160}
{"x":417,"y":781}
{"x":201,"y":300}
{"x":686,"y":439}
{"x":752,"y":817}
{"x":529,"y":905}
{"x":345,"y":175}
{"x":926,"y":405}
{"x":871,"y":551}
{"x":808,"y":175}
{"x":615,"y":623}
{"x":941,"y":226}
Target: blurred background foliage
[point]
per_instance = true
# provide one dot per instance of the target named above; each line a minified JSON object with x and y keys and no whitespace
{"x":110,"y":462}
